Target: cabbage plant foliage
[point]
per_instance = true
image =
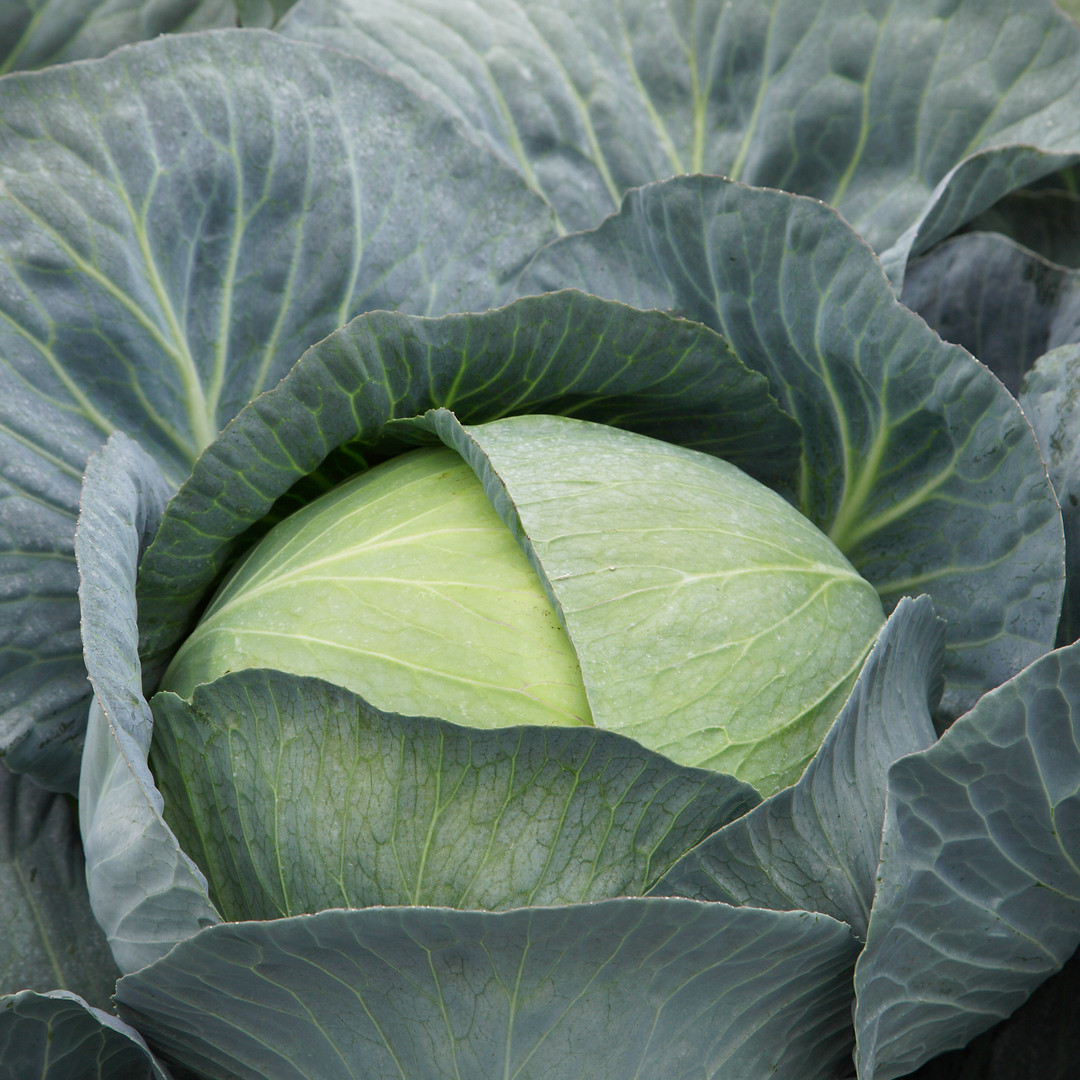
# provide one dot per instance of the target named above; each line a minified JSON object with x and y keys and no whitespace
{"x":249,"y":253}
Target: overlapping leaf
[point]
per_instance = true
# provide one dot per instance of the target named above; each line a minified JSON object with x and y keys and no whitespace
{"x":1003,"y":303}
{"x":49,"y":937}
{"x":1050,"y":399}
{"x":145,"y":891}
{"x":180,"y":221}
{"x":59,"y":1037}
{"x":565,"y":353}
{"x":815,"y":846}
{"x":978,"y":896}
{"x":916,"y":462}
{"x":35,"y":33}
{"x":1044,"y":217}
{"x":679,"y":583}
{"x":295,"y":795}
{"x":604,"y":991}
{"x":909,"y":118}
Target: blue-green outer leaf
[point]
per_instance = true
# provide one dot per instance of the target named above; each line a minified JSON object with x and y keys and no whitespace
{"x":58,"y":1036}
{"x":145,"y":891}
{"x":1006,"y":305}
{"x":978,"y":896}
{"x":35,"y":33}
{"x":622,"y":988}
{"x":48,"y":936}
{"x":909,"y":118}
{"x":181,"y":220}
{"x":1049,"y":397}
{"x":916,"y":461}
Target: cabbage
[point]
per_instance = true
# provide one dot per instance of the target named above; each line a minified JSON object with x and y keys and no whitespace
{"x":657,"y":591}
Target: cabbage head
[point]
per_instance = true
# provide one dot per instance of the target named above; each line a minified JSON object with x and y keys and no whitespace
{"x":650,"y":589}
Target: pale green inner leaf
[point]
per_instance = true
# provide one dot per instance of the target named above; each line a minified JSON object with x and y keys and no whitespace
{"x":404,"y":586}
{"x":712,"y":621}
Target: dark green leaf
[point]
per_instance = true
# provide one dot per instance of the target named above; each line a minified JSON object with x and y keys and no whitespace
{"x":909,"y":118}
{"x":1044,"y":219}
{"x":917,"y":462}
{"x":261,"y":12}
{"x":49,"y":937}
{"x":1040,"y":1041}
{"x":59,"y":1037}
{"x":815,"y":846}
{"x":295,"y":795}
{"x":180,"y":221}
{"x":606,"y":991}
{"x":1050,"y":396}
{"x":978,"y":896}
{"x":1006,"y":305}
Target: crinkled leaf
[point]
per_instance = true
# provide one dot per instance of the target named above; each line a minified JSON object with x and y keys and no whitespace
{"x":601,"y":991}
{"x":49,"y":937}
{"x":58,"y":1036}
{"x":815,"y":846}
{"x":565,"y":353}
{"x":1004,"y":304}
{"x":145,"y":892}
{"x":181,"y":220}
{"x":35,"y":33}
{"x":368,"y":808}
{"x":978,"y":895}
{"x":886,"y":111}
{"x":1040,"y":1041}
{"x":679,"y":581}
{"x":1050,"y":396}
{"x":917,"y":462}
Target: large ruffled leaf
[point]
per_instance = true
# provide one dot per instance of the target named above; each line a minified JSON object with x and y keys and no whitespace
{"x":367,"y":808}
{"x":978,"y":896}
{"x":909,"y":118}
{"x":602,"y":991}
{"x":48,"y":936}
{"x":180,"y":221}
{"x":815,"y":846}
{"x":1050,"y":396}
{"x":564,"y":353}
{"x":34,"y":33}
{"x":1004,"y":304}
{"x":145,"y":891}
{"x":59,"y":1037}
{"x":916,"y":461}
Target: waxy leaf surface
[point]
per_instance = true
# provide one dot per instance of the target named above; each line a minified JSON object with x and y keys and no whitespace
{"x":57,"y":1036}
{"x":48,"y":936}
{"x":978,"y":895}
{"x":908,"y":118}
{"x":632,"y":987}
{"x":295,"y":795}
{"x":145,"y":891}
{"x":181,"y":220}
{"x":917,"y":463}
